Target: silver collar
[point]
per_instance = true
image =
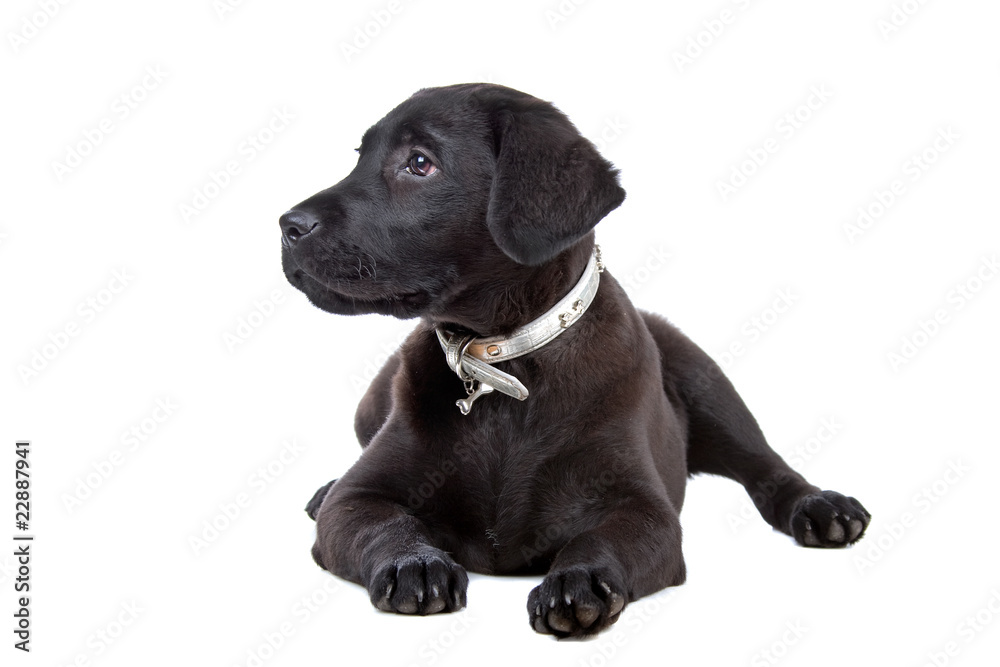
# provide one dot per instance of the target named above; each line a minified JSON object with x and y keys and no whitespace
{"x":470,"y":357}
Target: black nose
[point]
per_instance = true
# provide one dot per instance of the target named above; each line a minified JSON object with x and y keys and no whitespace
{"x":295,"y":224}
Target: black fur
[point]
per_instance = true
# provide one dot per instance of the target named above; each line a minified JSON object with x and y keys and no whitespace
{"x":583,"y":482}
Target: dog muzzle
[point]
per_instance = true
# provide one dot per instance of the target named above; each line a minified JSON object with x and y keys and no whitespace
{"x":471,"y":358}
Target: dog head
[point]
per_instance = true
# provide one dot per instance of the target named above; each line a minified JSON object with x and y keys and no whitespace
{"x":458,"y":191}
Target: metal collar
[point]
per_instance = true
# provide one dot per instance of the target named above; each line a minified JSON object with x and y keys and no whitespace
{"x":470,"y":357}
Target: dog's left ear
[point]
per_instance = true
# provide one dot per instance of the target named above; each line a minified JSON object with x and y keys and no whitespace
{"x":550,"y":186}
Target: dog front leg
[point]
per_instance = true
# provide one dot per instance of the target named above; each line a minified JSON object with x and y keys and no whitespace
{"x":377,"y":544}
{"x":375,"y":405}
{"x":635,"y":551}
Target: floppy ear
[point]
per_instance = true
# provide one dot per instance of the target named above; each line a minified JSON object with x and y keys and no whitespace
{"x":550,"y":186}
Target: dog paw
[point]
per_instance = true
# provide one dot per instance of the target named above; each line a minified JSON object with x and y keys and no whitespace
{"x":312,"y":507}
{"x":424,"y":583}
{"x":828,"y":519}
{"x":575,"y":603}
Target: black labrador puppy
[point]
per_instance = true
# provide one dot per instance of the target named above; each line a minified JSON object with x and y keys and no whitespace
{"x":580,"y":418}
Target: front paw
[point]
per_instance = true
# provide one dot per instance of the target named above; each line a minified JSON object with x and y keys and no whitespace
{"x":422,"y":583}
{"x":575,"y":603}
{"x":828,"y":519}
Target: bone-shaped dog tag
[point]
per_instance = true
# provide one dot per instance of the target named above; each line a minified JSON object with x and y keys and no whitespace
{"x":465,"y":404}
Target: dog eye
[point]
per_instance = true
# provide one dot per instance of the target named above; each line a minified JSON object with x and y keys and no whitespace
{"x":420,"y":165}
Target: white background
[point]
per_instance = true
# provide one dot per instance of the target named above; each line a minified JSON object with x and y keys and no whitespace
{"x":677,"y":130}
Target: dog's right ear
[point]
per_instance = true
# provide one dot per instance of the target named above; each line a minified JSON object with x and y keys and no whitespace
{"x":550,"y":185}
